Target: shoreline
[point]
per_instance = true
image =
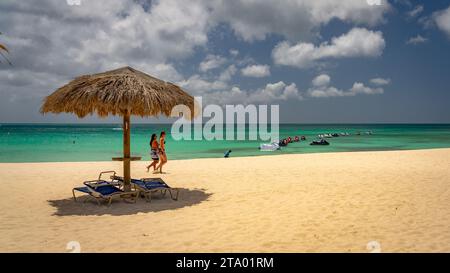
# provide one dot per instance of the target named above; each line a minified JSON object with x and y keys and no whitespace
{"x":319,"y":202}
{"x":246,"y":156}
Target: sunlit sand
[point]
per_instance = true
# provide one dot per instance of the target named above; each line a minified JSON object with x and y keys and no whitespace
{"x":339,"y":202}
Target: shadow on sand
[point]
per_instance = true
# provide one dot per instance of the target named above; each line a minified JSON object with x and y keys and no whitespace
{"x":187,"y":197}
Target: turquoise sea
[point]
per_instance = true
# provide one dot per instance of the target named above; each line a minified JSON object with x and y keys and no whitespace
{"x":101,"y":142}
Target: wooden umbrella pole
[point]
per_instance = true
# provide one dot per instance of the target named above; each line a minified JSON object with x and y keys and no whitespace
{"x":126,"y":152}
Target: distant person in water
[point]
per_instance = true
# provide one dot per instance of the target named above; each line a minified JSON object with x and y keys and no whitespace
{"x":154,"y":153}
{"x":162,"y":152}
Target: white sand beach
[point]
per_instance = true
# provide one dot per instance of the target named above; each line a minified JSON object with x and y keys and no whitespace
{"x":334,"y":202}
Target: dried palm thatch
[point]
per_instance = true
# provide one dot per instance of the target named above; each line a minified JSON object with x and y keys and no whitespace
{"x":117,"y":92}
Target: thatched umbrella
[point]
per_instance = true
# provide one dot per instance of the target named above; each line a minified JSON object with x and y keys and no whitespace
{"x":125,"y":92}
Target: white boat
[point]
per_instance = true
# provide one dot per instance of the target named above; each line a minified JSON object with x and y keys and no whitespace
{"x":268,"y":147}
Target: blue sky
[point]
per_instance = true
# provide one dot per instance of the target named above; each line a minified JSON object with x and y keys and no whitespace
{"x":321,"y":61}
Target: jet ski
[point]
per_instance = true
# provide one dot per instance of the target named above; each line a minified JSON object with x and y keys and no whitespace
{"x":269,"y":146}
{"x":283,"y":143}
{"x":325,"y":136}
{"x":320,"y":142}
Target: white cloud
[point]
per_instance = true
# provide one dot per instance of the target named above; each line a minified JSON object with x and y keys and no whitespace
{"x":380,"y":81}
{"x":291,"y":91}
{"x":416,"y":40}
{"x":122,"y":29}
{"x":294,"y":19}
{"x":83,"y":39}
{"x":228,"y":73}
{"x":278,"y":90}
{"x":55,"y":41}
{"x":199,"y":86}
{"x":211,"y":62}
{"x":256,"y":71}
{"x":325,"y":92}
{"x":322,"y":89}
{"x":360,"y":88}
{"x":162,"y":70}
{"x":416,"y":11}
{"x":321,"y":80}
{"x":150,"y":33}
{"x":442,"y":20}
{"x":65,"y":41}
{"x":272,"y":92}
{"x":358,"y":42}
{"x":220,"y":92}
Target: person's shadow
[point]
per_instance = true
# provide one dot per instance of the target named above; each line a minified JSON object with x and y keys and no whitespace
{"x":186,"y":198}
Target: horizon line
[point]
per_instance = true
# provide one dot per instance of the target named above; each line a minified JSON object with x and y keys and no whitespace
{"x":163,"y":123}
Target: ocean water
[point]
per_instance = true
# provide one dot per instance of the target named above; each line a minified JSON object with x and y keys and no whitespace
{"x":101,"y":142}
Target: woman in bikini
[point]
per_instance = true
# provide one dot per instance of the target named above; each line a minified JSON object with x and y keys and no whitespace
{"x":154,"y":153}
{"x":162,"y":151}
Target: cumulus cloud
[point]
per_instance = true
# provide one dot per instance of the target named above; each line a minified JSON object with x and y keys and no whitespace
{"x":52,"y":42}
{"x":276,"y":91}
{"x":321,"y":88}
{"x":442,"y":20}
{"x":147,"y":33}
{"x":272,"y":92}
{"x":296,"y":19}
{"x":360,"y":88}
{"x":358,"y":42}
{"x":380,"y":81}
{"x":65,"y":41}
{"x":256,"y":71}
{"x":211,"y":62}
{"x":416,"y":40}
{"x":199,"y":86}
{"x":321,"y":80}
{"x":221,"y":91}
{"x":228,"y":73}
{"x":203,"y":84}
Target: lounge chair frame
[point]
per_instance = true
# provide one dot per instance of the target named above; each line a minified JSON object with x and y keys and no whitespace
{"x":173,"y":192}
{"x":91,"y":185}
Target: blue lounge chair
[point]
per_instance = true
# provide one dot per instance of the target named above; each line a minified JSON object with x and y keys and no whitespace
{"x":104,"y":190}
{"x":147,"y":186}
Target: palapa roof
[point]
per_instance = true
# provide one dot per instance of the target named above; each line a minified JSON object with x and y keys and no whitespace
{"x":116,"y":92}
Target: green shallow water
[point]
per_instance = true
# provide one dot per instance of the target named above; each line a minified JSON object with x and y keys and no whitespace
{"x":100,"y":142}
